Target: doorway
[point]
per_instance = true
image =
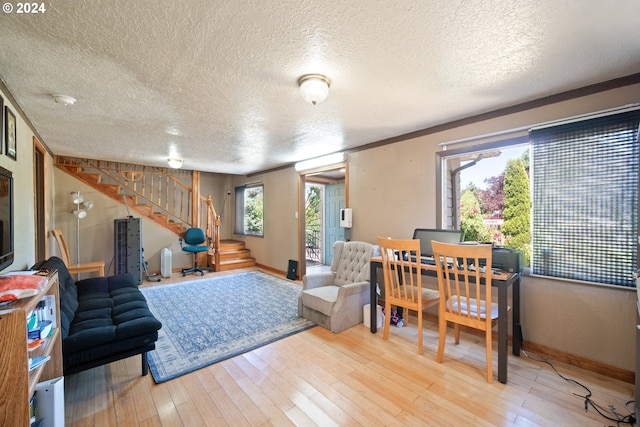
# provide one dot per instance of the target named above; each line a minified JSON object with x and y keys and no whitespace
{"x":322,"y":194}
{"x":39,"y":200}
{"x":323,"y":202}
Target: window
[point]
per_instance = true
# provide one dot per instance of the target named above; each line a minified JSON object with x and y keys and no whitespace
{"x":249,"y":210}
{"x":582,"y":178}
{"x":585,"y":198}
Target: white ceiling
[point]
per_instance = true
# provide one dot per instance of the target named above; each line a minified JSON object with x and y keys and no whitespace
{"x":215,"y":81}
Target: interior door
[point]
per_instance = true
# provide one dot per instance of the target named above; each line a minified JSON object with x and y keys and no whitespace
{"x":333,"y":202}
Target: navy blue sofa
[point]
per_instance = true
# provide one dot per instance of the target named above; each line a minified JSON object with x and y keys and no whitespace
{"x":103,"y":319}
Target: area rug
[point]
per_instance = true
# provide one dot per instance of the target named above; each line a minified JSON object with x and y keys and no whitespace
{"x":208,"y":320}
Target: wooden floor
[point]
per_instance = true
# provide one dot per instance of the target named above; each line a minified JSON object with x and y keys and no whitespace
{"x":354,"y":378}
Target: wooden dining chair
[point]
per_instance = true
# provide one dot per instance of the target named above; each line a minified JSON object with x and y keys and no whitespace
{"x":464,"y":298}
{"x":83,"y":267}
{"x":403,"y":288}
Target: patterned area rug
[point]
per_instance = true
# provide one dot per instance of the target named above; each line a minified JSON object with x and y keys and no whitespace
{"x":208,"y":320}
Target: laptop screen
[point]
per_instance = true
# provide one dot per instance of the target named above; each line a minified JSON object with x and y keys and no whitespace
{"x":426,"y":235}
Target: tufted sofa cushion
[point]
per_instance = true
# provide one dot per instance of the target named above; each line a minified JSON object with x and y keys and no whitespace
{"x":102,"y":318}
{"x":351,"y":261}
{"x":110,"y":309}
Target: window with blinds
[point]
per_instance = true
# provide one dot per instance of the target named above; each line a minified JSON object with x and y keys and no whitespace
{"x":585,"y":178}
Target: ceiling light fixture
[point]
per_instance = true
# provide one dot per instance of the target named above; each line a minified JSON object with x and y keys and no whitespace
{"x":318,"y":162}
{"x":175,"y":163}
{"x":64,"y":99}
{"x":314,"y":87}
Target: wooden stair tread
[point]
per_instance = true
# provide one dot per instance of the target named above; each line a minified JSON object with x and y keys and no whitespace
{"x":233,"y":255}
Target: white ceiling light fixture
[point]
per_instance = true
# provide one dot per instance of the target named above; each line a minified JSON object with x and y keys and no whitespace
{"x":64,"y":99}
{"x":318,"y":162}
{"x":314,"y":87}
{"x":175,"y":163}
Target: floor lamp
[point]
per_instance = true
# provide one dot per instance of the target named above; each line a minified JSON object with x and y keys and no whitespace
{"x":80,"y":212}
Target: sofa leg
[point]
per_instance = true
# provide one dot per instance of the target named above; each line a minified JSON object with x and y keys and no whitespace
{"x":145,"y":365}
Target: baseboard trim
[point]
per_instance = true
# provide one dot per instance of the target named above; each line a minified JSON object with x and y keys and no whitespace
{"x":580,"y":362}
{"x":272,"y":270}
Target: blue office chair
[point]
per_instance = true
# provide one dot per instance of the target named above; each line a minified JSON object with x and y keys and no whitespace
{"x":194,"y":237}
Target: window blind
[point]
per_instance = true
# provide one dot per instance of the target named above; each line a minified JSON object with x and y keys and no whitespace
{"x":585,"y":199}
{"x":238,"y":227}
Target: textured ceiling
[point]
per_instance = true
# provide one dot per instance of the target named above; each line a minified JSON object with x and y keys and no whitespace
{"x":215,"y":82}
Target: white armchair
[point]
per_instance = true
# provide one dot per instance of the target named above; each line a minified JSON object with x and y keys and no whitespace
{"x":334,"y":299}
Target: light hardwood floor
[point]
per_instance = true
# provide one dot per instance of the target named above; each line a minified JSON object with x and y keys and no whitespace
{"x":354,"y":378}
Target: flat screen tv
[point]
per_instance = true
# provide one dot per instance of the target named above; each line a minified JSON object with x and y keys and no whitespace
{"x":6,"y":218}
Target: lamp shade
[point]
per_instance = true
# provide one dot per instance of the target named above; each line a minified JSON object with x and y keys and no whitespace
{"x":77,"y":197}
{"x":80,"y":213}
{"x":314,"y":88}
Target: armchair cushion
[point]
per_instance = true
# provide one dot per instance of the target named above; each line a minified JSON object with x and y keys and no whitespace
{"x":321,"y":299}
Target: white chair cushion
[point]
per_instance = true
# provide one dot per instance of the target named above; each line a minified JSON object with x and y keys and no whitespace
{"x":453,"y":304}
{"x":321,"y":299}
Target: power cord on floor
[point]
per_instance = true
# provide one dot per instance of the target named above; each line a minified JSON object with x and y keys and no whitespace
{"x":609,"y":413}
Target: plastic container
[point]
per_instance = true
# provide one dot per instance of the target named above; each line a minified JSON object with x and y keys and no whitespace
{"x":366,"y":314}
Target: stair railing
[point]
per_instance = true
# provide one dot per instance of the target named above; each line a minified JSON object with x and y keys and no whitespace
{"x":213,"y":231}
{"x":170,"y":192}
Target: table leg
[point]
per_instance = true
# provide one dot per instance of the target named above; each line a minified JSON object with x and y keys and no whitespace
{"x":516,"y":327}
{"x":373,"y":307}
{"x":502,"y":332}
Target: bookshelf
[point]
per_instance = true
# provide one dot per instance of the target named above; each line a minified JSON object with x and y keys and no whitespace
{"x":17,"y":384}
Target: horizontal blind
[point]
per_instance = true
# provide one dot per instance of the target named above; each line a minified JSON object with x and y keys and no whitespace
{"x":238,"y":227}
{"x":585,"y":199}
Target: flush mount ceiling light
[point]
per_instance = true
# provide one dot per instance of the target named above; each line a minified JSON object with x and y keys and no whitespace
{"x":64,"y":99}
{"x":330,"y":159}
{"x":314,"y":87}
{"x":175,"y":163}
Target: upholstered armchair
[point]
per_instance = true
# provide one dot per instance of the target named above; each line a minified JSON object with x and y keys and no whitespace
{"x":334,"y":299}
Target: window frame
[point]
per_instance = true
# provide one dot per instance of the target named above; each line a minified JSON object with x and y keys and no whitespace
{"x":442,"y":179}
{"x":442,"y":210}
{"x":240,"y":209}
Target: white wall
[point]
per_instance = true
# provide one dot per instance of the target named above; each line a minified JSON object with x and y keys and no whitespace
{"x":280,"y":241}
{"x":97,"y":229}
{"x":24,"y":205}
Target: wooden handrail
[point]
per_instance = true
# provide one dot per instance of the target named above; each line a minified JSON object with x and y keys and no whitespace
{"x":166,"y":189}
{"x":213,"y":231}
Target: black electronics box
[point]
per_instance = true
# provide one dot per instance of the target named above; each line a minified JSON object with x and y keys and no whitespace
{"x":509,"y":260}
{"x":292,"y":270}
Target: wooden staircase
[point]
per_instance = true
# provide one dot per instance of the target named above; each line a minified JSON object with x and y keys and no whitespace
{"x":159,"y":194}
{"x":115,"y":192}
{"x":233,"y":255}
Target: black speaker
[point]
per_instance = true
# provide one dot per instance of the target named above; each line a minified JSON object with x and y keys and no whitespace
{"x":292,"y":270}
